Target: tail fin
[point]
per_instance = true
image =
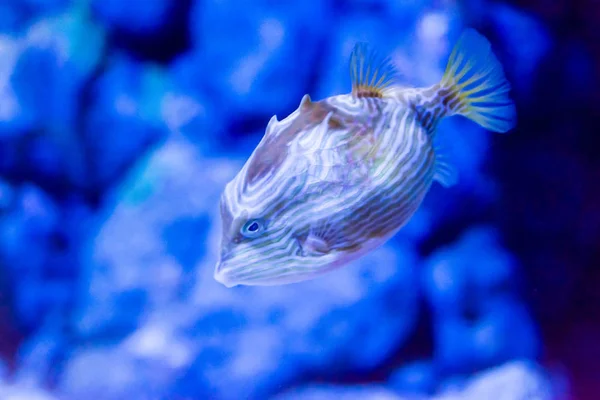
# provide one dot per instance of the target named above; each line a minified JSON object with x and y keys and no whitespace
{"x":476,"y":85}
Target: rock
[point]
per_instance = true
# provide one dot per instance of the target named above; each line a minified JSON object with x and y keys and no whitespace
{"x":36,"y":250}
{"x":474,"y":264}
{"x":326,"y":392}
{"x":19,"y":392}
{"x":11,"y":18}
{"x":521,"y":58}
{"x":272,"y":50}
{"x":137,"y":16}
{"x":56,"y":57}
{"x":59,"y":54}
{"x":478,"y":319}
{"x":13,"y":119}
{"x":517,"y":380}
{"x":16,"y":14}
{"x":415,"y":378}
{"x":16,"y":389}
{"x":189,"y":109}
{"x":129,"y":309}
{"x":47,"y":7}
{"x":123,"y":120}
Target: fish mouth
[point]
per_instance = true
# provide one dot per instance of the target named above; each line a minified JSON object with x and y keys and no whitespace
{"x":232,"y":272}
{"x":231,"y":276}
{"x":223,"y":275}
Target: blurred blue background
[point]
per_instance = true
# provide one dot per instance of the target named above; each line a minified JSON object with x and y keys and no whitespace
{"x":121,"y":122}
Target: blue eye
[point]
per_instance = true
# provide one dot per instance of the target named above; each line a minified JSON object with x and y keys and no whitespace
{"x":252,"y":228}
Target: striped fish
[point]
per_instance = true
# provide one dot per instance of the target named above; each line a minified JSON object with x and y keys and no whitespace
{"x":339,"y":177}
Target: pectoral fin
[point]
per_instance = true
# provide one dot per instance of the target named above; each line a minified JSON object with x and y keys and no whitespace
{"x":314,"y":245}
{"x":445,"y":174}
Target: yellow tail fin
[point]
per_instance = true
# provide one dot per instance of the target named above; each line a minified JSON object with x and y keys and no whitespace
{"x":476,"y":86}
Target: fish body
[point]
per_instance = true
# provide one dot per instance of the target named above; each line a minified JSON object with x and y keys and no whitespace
{"x":340,"y":176}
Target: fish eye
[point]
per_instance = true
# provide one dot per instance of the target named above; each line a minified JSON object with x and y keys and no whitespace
{"x":252,"y":228}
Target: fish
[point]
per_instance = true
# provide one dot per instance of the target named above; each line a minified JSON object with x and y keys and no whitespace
{"x":339,"y":177}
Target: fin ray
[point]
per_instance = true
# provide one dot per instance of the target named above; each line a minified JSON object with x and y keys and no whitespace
{"x":314,"y":245}
{"x":445,"y":173}
{"x":371,"y":74}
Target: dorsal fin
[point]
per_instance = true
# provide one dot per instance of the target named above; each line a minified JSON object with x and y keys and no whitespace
{"x":371,"y":73}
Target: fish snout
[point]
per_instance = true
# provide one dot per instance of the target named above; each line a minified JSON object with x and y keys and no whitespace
{"x":223,"y":274}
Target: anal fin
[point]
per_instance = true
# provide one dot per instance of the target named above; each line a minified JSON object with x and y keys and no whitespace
{"x":314,"y":245}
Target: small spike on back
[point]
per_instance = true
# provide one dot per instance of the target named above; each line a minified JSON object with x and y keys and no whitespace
{"x":325,"y":123}
{"x":272,"y":123}
{"x":371,"y":74}
{"x":305,"y":103}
